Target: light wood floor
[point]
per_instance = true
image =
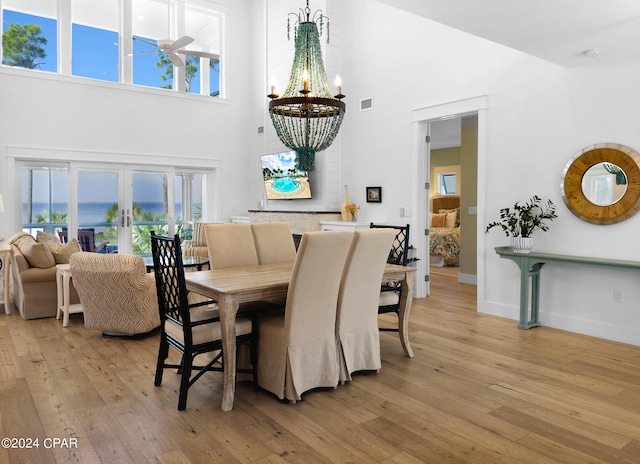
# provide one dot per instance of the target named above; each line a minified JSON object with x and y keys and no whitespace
{"x":478,"y":391}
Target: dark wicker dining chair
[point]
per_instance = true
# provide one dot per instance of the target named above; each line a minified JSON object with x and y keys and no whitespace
{"x":192,"y":329}
{"x":390,"y":292}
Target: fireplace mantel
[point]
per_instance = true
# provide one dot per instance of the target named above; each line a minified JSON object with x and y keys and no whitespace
{"x":300,"y":221}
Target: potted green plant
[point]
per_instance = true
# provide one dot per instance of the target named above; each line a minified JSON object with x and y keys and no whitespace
{"x":522,"y":220}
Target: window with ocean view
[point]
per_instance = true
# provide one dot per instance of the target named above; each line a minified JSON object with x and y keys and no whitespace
{"x":116,"y":217}
{"x":45,"y":199}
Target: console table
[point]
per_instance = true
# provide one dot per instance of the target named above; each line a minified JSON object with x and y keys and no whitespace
{"x":530,"y":265}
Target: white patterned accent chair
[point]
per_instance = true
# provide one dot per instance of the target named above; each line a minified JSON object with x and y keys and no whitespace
{"x":117,"y":294}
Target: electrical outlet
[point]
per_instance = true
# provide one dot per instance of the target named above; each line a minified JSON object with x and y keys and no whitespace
{"x":617,"y":295}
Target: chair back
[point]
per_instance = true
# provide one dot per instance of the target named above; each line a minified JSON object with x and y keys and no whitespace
{"x":86,"y":239}
{"x":310,"y":311}
{"x":400,"y":246}
{"x":231,"y":245}
{"x":171,"y":287}
{"x":357,"y":316}
{"x":274,"y":242}
{"x":116,"y":293}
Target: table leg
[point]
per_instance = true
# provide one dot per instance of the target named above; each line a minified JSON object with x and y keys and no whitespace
{"x":228,"y":307}
{"x":529,"y":279}
{"x":406,"y":298}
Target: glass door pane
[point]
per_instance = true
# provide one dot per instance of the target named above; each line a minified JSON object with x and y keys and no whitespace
{"x":45,"y":199}
{"x":98,"y":206}
{"x":150,"y":210}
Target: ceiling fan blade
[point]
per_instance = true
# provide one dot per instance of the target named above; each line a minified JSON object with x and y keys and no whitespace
{"x":176,"y":60}
{"x":211,"y":56}
{"x":181,"y":42}
{"x":137,"y":39}
{"x":141,"y":53}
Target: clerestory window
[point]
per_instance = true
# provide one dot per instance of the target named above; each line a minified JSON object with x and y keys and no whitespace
{"x":128,"y":41}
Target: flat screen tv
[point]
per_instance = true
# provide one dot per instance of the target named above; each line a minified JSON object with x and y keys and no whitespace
{"x":282,"y":181}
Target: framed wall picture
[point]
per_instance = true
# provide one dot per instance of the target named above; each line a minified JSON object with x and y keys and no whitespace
{"x":374,"y":194}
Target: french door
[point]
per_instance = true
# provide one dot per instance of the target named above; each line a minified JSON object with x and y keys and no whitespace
{"x":123,"y":204}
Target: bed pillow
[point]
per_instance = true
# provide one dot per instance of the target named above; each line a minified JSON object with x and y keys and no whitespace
{"x":456,"y":210}
{"x":450,"y":220}
{"x":438,"y":220}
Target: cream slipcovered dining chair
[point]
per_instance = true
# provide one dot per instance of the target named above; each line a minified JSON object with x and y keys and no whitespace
{"x":297,"y":350}
{"x":357,"y":317}
{"x":230,"y":245}
{"x":274,"y":242}
{"x":117,"y":294}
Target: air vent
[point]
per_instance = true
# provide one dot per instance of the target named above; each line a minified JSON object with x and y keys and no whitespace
{"x":261,"y":130}
{"x":366,"y":104}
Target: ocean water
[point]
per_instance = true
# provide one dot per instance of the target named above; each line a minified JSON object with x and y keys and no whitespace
{"x":94,"y":212}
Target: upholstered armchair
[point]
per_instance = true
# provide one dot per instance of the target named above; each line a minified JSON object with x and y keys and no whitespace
{"x":117,"y":294}
{"x":197,"y":245}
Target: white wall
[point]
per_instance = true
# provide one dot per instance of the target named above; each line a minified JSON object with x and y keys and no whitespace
{"x":539,"y":115}
{"x":62,"y":113}
{"x":277,"y":58}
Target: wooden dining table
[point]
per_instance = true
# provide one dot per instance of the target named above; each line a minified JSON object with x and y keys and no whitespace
{"x":232,"y":286}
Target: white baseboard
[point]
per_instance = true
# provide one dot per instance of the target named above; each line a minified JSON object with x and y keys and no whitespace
{"x":468,"y":278}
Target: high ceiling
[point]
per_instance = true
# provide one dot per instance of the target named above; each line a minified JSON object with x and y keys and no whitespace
{"x":559,"y":31}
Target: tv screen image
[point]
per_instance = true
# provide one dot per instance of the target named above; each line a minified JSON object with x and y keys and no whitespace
{"x":282,"y":181}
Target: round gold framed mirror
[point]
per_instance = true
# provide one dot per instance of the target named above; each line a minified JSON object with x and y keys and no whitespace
{"x":601,"y":183}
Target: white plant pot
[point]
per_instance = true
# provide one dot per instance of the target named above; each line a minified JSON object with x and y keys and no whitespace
{"x":521,"y":244}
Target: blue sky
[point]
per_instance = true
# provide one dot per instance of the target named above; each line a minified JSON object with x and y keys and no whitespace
{"x":282,"y":161}
{"x":95,"y":53}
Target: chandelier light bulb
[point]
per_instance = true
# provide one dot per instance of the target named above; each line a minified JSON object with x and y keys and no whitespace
{"x":339,"y":83}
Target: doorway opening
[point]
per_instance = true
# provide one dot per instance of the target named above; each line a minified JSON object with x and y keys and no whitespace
{"x":427,"y":131}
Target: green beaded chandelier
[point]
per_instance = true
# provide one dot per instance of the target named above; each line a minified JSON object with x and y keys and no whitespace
{"x":307,"y":116}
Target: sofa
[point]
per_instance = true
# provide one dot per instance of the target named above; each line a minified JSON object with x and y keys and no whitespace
{"x":33,"y":267}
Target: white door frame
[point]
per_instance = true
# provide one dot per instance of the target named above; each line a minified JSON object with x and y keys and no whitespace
{"x":125,"y":173}
{"x":420,"y":119}
{"x":16,"y":155}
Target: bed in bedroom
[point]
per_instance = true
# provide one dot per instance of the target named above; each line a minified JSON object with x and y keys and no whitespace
{"x":444,"y":232}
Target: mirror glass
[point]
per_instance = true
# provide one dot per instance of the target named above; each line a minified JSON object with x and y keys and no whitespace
{"x":601,"y":183}
{"x":604,"y":184}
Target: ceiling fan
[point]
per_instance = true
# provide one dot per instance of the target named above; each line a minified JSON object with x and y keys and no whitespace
{"x":174,"y":48}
